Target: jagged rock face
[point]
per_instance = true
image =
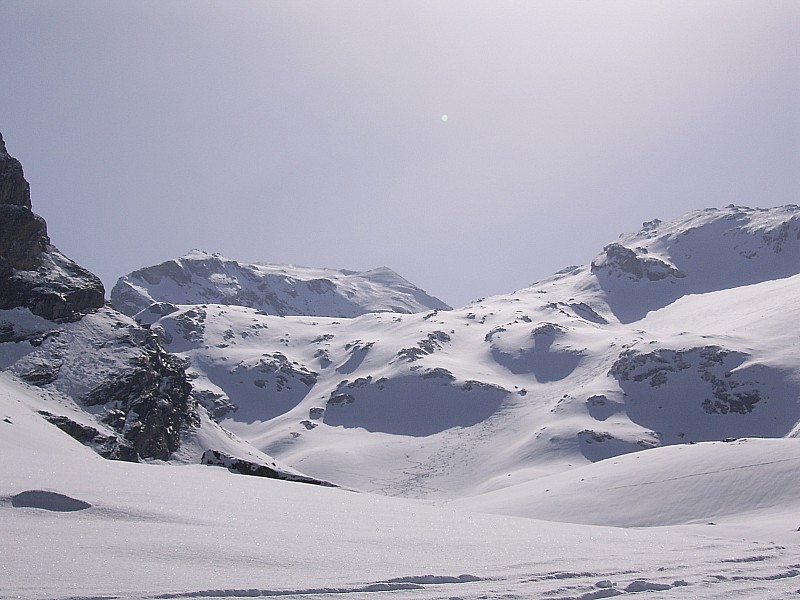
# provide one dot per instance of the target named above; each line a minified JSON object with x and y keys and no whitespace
{"x":33,"y":273}
{"x":14,"y":190}
{"x":23,"y":237}
{"x":136,"y":395}
{"x":58,"y":290}
{"x":150,"y":404}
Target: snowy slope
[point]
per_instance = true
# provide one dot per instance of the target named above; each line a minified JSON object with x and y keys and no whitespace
{"x":663,"y":486}
{"x":190,"y":531}
{"x":683,"y":332}
{"x":200,"y":278}
{"x":85,"y":378}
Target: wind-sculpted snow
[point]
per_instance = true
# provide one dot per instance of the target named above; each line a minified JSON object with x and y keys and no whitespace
{"x":700,"y":483}
{"x":537,"y":352}
{"x":198,"y":278}
{"x":392,"y":586}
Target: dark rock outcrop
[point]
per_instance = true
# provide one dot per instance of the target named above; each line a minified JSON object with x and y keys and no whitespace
{"x":149,"y":405}
{"x":245,"y":467}
{"x":23,"y":237}
{"x":620,"y":261}
{"x":33,"y":273}
{"x":14,"y":190}
{"x":107,"y":446}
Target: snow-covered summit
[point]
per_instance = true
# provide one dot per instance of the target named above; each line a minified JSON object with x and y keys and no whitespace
{"x":702,"y":251}
{"x":202,"y":278}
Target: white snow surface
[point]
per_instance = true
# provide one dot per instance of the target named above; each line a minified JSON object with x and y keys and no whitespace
{"x":199,"y":277}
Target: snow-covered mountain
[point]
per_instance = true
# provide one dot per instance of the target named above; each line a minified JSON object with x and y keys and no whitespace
{"x":682,"y":332}
{"x":673,"y":337}
{"x":202,"y":278}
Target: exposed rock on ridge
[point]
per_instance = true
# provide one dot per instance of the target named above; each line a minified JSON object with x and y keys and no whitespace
{"x":33,"y":273}
{"x":14,"y":189}
{"x":702,"y":251}
{"x":150,"y":404}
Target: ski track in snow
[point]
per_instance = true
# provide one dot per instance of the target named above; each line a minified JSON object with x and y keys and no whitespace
{"x":455,"y":446}
{"x":410,"y":481}
{"x":732,"y":577}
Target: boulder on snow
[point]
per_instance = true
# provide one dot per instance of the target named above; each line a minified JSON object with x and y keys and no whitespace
{"x":47,"y":500}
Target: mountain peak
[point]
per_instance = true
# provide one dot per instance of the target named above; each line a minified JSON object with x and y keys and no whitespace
{"x":199,"y":277}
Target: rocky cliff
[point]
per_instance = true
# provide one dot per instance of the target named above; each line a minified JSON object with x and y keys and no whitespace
{"x":33,"y":273}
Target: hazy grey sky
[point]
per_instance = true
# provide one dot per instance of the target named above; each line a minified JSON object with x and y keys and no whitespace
{"x":313,"y":132}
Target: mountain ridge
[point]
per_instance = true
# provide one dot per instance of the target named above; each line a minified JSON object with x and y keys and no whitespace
{"x":202,"y":278}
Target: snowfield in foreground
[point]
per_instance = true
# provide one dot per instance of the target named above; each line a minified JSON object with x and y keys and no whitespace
{"x":79,"y":526}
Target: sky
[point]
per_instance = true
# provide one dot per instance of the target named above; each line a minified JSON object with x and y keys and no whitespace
{"x":473,"y":147}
